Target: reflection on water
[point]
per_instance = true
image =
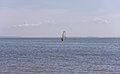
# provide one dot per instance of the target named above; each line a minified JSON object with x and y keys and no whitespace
{"x":51,"y":56}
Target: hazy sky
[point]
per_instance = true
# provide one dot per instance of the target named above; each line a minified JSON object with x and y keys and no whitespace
{"x":48,"y":18}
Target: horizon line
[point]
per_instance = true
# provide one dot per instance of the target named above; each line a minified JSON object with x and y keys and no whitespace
{"x":55,"y":37}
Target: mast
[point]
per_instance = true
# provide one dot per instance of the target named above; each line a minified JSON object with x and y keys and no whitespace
{"x":63,"y":36}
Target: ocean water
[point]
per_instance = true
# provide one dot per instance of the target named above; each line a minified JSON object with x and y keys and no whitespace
{"x":51,"y":56}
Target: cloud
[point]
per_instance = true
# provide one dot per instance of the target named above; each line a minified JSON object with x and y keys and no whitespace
{"x":44,"y":22}
{"x":49,"y":22}
{"x":101,"y":20}
{"x":26,"y":25}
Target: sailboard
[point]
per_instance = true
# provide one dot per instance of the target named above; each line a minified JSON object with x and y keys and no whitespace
{"x":63,"y":35}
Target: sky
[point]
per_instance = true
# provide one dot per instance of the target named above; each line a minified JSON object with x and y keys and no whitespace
{"x":48,"y":18}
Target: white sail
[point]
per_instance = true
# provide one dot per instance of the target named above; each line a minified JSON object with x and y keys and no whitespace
{"x":63,"y":36}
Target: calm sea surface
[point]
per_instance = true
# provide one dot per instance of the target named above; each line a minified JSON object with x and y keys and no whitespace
{"x":51,"y":56}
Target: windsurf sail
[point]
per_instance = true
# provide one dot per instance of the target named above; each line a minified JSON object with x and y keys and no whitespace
{"x":63,"y":36}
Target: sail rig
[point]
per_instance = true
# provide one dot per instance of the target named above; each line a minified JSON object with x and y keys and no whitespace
{"x":63,"y":35}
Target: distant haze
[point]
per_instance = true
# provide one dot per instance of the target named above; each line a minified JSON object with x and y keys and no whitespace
{"x":48,"y":18}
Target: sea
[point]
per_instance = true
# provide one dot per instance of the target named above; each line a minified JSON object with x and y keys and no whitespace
{"x":53,"y":56}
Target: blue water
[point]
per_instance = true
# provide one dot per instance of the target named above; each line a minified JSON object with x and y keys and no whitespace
{"x":51,"y":56}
